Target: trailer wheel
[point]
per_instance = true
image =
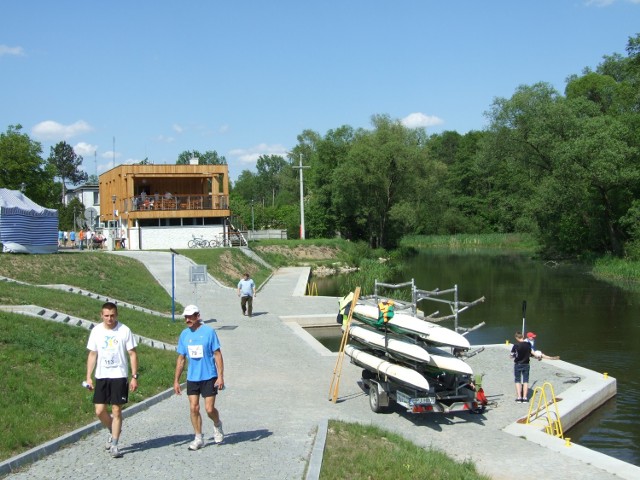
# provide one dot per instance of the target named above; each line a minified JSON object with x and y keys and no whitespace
{"x":374,"y":399}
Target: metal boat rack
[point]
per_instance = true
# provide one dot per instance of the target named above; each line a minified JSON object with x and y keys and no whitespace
{"x":456,"y":305}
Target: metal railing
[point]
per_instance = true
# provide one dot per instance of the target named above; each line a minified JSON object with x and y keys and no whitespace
{"x":145,"y":203}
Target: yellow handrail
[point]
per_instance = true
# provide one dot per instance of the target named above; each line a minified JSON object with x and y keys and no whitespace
{"x":542,"y":410}
{"x":312,"y":289}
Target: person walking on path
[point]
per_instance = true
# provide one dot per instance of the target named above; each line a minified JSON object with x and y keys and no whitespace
{"x":521,"y":352}
{"x":108,"y":345}
{"x":246,"y":292}
{"x":205,"y":373}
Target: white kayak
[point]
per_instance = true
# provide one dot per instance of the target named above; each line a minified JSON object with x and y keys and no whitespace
{"x":406,"y":324}
{"x":430,"y":355}
{"x":397,"y":372}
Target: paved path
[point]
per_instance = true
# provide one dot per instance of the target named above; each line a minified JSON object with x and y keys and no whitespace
{"x":277,"y":395}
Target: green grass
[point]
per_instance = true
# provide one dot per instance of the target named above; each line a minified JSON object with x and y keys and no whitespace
{"x":621,"y":272}
{"x":358,"y":451}
{"x":147,"y":325}
{"x":227,"y":265}
{"x":471,"y":241}
{"x":44,"y":365}
{"x":114,"y":276}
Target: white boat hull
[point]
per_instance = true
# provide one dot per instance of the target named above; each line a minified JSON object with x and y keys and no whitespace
{"x":397,"y":372}
{"x":406,"y":324}
{"x":430,"y":355}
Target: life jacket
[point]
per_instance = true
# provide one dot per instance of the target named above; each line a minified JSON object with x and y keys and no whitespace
{"x":385,"y":311}
{"x":344,"y":306}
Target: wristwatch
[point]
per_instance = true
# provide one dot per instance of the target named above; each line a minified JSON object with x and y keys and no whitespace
{"x":135,"y":376}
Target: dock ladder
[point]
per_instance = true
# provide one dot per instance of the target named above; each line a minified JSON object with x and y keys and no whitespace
{"x":541,"y":407}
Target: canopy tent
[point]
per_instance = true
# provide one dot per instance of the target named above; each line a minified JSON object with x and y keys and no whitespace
{"x":25,"y":226}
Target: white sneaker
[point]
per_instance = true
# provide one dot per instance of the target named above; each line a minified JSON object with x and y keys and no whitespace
{"x":107,"y":446}
{"x":115,"y":453}
{"x":218,"y":434}
{"x":196,"y":444}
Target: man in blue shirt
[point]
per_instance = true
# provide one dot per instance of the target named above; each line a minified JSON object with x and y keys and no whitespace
{"x":246,"y":292}
{"x":200,"y":344}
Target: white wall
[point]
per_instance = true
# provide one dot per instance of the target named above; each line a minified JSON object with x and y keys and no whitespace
{"x":163,"y":238}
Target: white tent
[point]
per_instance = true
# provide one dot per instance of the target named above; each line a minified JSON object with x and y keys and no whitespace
{"x":25,"y":226}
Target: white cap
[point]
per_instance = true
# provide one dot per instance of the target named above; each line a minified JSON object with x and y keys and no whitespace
{"x":190,"y":310}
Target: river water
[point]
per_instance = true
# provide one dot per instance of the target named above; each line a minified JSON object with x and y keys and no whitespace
{"x":583,"y":320}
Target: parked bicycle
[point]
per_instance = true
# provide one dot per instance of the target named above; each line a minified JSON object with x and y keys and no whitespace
{"x":198,"y":242}
{"x":216,"y":242}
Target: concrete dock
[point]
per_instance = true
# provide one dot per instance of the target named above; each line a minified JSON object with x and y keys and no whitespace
{"x":276,"y":404}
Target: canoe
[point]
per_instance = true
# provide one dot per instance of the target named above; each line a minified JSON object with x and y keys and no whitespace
{"x":404,"y":324}
{"x":397,"y":372}
{"x":432,"y":356}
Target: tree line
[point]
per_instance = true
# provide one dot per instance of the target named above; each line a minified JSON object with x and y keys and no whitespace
{"x":561,"y":166}
{"x":564,"y":167}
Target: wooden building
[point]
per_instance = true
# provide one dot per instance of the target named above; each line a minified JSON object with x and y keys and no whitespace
{"x":163,"y":206}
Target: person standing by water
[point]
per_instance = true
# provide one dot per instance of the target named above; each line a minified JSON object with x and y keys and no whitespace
{"x":205,"y":373}
{"x":108,"y":345}
{"x":246,"y":292}
{"x":521,"y":353}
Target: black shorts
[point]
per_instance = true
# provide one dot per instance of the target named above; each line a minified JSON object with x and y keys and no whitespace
{"x":111,"y":391}
{"x":204,"y":388}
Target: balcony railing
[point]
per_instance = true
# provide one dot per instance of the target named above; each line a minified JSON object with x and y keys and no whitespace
{"x":145,"y":203}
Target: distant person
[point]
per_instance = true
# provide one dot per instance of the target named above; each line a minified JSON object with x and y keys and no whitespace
{"x":60,"y":238}
{"x":81,"y":235}
{"x":531,"y":338}
{"x":521,"y":352}
{"x":205,"y":373}
{"x":72,"y":238}
{"x":123,"y":238}
{"x":65,"y":237}
{"x":108,"y":345}
{"x":246,"y":292}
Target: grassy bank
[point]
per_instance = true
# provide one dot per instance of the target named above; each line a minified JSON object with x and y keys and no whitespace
{"x":624,"y":273}
{"x":40,"y":394}
{"x":520,"y":242}
{"x":364,"y":451}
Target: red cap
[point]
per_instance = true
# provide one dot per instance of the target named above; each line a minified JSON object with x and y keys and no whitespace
{"x":531,"y":335}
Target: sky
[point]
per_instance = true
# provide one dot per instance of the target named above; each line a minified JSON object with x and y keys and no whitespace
{"x":122,"y":81}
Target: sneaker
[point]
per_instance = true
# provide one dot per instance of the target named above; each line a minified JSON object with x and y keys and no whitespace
{"x":114,"y":452}
{"x":218,"y":434}
{"x":196,"y":444}
{"x":107,"y":446}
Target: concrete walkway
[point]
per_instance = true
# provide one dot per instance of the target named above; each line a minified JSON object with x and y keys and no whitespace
{"x":277,"y":396}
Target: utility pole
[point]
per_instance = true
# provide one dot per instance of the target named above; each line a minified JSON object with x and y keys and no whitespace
{"x":300,"y":167}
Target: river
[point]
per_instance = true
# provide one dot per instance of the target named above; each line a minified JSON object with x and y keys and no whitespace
{"x":583,"y":320}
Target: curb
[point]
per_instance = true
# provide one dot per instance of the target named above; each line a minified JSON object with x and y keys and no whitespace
{"x":317,"y":453}
{"x":36,"y":453}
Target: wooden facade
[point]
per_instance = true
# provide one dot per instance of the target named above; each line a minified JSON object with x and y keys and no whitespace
{"x":141,"y":195}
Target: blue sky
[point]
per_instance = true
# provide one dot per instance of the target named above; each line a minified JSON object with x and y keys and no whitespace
{"x":245,"y":78}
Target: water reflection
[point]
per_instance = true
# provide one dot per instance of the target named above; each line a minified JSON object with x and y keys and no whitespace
{"x":585,"y":321}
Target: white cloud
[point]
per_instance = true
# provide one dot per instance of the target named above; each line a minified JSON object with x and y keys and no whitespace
{"x":109,"y":155}
{"x":250,"y":155}
{"x":165,"y":139}
{"x":599,"y":3}
{"x":15,"y":51}
{"x":85,"y":149}
{"x":420,"y":120}
{"x":177,"y":128}
{"x":225,"y":128}
{"x":50,"y":130}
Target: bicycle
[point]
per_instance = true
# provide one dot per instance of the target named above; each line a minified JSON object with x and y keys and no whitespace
{"x":198,"y":242}
{"x":216,"y":242}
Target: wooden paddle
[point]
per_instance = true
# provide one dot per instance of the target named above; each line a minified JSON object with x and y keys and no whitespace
{"x":337,"y":370}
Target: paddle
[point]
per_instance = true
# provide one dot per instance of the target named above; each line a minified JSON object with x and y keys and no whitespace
{"x":524,"y":311}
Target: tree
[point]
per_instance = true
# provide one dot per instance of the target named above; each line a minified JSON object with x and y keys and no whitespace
{"x":66,"y":163}
{"x":270,"y":169}
{"x":210,"y":157}
{"x":21,"y":162}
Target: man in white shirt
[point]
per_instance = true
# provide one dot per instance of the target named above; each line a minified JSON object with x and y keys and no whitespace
{"x":108,"y":345}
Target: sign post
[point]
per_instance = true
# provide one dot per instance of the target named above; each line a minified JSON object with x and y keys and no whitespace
{"x":197,"y":274}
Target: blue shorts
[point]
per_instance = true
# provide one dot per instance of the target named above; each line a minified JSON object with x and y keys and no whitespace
{"x":521,"y":372}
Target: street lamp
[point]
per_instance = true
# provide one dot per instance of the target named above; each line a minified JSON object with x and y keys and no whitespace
{"x":253,"y":227}
{"x":300,"y":167}
{"x":113,"y":236}
{"x":23,"y":186}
